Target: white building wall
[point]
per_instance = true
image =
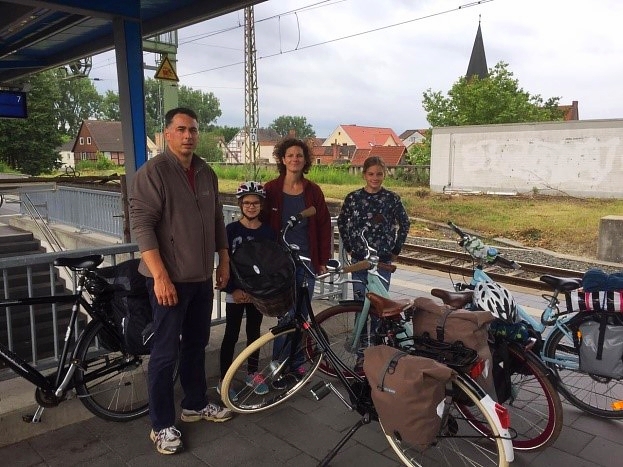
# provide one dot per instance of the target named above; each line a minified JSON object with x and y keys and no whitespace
{"x":579,"y":158}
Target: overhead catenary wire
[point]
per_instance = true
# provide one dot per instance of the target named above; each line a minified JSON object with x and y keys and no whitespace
{"x":349,"y":36}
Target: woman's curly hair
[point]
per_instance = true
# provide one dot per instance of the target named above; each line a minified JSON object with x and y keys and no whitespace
{"x":280,"y":152}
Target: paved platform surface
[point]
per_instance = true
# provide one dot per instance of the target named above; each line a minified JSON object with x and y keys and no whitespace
{"x":297,"y":433}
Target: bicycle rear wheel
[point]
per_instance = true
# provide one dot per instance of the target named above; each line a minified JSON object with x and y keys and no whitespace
{"x":109,"y":383}
{"x":598,"y":395}
{"x":458,"y":443}
{"x":338,"y":324}
{"x":279,"y":378}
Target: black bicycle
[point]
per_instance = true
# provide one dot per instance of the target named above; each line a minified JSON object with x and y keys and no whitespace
{"x":479,"y":438}
{"x":109,"y":381}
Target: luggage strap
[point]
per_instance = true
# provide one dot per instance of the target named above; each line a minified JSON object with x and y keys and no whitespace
{"x":441,"y":324}
{"x":390,"y":368}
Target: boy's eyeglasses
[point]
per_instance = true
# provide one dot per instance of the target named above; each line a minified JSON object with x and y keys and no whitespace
{"x":247,"y":204}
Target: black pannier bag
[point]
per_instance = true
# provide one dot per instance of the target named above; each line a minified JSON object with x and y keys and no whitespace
{"x":130,"y":306}
{"x":265,"y":270}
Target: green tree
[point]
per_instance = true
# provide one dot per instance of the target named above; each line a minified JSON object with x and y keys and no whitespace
{"x":208,"y":146}
{"x":492,"y":100}
{"x":205,"y":104}
{"x":227,"y":132}
{"x":79,"y":100}
{"x":109,"y":109}
{"x":31,"y":146}
{"x":285,"y":123}
{"x":419,"y":154}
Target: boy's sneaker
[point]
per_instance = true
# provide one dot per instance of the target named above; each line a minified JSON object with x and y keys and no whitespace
{"x":233,"y":395}
{"x":167,"y":440}
{"x":300,"y":371}
{"x":258,"y":383}
{"x":211,"y":413}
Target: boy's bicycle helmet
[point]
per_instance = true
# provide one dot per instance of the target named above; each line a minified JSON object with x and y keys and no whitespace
{"x":495,"y":299}
{"x":250,"y":188}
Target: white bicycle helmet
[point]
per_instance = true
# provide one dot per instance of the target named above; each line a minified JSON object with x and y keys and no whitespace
{"x":250,"y":188}
{"x":495,"y":299}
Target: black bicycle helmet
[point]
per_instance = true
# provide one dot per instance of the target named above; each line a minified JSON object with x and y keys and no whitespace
{"x":495,"y":299}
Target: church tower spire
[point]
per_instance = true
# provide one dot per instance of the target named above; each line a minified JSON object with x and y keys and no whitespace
{"x":478,"y":61}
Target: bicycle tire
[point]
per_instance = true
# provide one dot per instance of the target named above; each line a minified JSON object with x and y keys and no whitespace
{"x":535,"y":407}
{"x":110,"y":383}
{"x":338,"y":324}
{"x":274,"y":369}
{"x":592,"y":394}
{"x":458,"y":443}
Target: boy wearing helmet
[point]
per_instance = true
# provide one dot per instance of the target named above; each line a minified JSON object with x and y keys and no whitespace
{"x":250,"y":197}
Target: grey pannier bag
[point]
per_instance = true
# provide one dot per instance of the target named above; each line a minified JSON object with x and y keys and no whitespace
{"x":601,"y":345}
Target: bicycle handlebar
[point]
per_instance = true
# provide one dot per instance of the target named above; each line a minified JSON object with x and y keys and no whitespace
{"x":480,"y":251}
{"x":506,"y":262}
{"x":458,"y":231}
{"x":358,"y":266}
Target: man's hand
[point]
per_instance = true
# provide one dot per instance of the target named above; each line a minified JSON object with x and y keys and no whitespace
{"x":165,"y":292}
{"x":222,"y":270}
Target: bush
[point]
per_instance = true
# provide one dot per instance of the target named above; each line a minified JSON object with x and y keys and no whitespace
{"x":102,"y":163}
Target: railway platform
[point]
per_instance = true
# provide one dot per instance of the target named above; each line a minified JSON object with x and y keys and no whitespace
{"x":297,"y":433}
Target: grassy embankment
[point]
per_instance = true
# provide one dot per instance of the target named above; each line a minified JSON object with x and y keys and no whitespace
{"x":562,"y":224}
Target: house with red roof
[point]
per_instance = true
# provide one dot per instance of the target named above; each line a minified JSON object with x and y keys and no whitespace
{"x":357,"y":143}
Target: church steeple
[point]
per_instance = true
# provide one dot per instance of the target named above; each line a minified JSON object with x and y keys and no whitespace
{"x":478,"y":61}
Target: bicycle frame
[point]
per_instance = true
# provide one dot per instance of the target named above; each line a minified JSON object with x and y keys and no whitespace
{"x":60,"y":381}
{"x":374,"y":284}
{"x":364,"y":406}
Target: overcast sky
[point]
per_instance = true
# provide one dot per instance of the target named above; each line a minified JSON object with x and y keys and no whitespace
{"x":307,"y":65}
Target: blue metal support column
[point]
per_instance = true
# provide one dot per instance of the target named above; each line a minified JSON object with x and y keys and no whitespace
{"x":129,"y":53}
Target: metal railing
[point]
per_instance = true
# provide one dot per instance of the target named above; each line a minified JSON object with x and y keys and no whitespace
{"x":86,"y":209}
{"x":50,"y":209}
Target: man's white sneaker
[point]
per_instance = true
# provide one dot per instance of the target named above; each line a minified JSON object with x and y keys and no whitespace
{"x":211,"y":413}
{"x":167,"y":441}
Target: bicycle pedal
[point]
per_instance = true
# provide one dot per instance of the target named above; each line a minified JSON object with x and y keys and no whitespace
{"x":320,"y":390}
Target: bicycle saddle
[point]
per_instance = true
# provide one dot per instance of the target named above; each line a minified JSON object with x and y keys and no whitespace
{"x":385,"y":307}
{"x":564,"y":284}
{"x":453,"y":299}
{"x":80,"y":262}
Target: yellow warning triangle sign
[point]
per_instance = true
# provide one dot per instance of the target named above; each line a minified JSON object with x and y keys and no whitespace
{"x":166,"y":71}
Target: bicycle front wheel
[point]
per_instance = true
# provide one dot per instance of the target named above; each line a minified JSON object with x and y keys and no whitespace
{"x":110,"y":383}
{"x":459,"y":442}
{"x":535,"y":408}
{"x":338,"y":324}
{"x":597,"y":395}
{"x":281,"y":366}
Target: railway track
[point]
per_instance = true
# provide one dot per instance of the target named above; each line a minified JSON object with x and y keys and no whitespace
{"x":454,"y":262}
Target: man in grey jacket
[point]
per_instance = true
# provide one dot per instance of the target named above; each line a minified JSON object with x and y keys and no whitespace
{"x":177,"y":220}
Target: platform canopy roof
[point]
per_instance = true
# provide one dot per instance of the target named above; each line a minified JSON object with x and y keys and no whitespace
{"x":37,"y":35}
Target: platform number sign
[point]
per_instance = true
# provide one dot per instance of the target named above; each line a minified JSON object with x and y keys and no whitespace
{"x":13,"y":104}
